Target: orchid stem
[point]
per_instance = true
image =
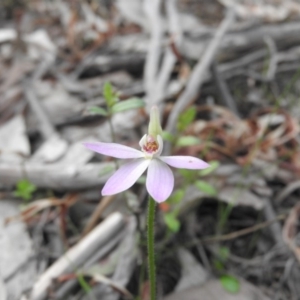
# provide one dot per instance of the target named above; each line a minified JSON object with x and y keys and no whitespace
{"x":112,"y":131}
{"x":151,"y":254}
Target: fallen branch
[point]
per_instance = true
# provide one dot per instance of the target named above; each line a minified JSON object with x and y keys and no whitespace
{"x":57,"y":176}
{"x":78,"y":254}
{"x":65,"y":289}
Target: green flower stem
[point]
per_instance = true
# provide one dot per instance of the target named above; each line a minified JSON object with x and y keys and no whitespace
{"x":151,"y":254}
{"x":112,"y":131}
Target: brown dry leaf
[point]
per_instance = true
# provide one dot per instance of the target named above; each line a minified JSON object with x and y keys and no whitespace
{"x":290,"y":230}
{"x":266,"y":135}
{"x":212,"y":290}
{"x":37,"y":206}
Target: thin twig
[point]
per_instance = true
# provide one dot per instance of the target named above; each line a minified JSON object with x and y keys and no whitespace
{"x":243,"y":61}
{"x":224,"y":90}
{"x":273,"y":58}
{"x":152,"y":11}
{"x":290,"y":188}
{"x":275,"y":227}
{"x":46,"y":127}
{"x":242,"y":232}
{"x":97,"y":214}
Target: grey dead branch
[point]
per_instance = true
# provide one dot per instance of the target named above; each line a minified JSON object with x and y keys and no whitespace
{"x":168,"y":57}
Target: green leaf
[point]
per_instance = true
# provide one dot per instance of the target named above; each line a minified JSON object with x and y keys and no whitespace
{"x":206,"y":187}
{"x":230,"y":283}
{"x":25,"y":189}
{"x":176,"y":196}
{"x":83,"y":283}
{"x":188,"y":175}
{"x":167,"y":136}
{"x":213,"y":165}
{"x":127,"y":104}
{"x":224,"y":253}
{"x":187,"y":141}
{"x":95,"y":110}
{"x":186,"y":118}
{"x":172,"y":222}
{"x":218,"y":264}
{"x":107,"y":169}
{"x":109,"y":94}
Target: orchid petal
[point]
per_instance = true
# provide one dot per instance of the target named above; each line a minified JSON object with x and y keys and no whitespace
{"x":160,"y":180}
{"x":184,"y":162}
{"x":143,"y":141}
{"x":125,"y":177}
{"x":114,"y":150}
{"x":160,"y":145}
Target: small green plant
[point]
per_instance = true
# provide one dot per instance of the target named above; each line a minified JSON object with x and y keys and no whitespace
{"x":213,"y":165}
{"x":83,"y":283}
{"x":171,"y":217}
{"x":229,"y":282}
{"x":172,"y":221}
{"x":190,"y":177}
{"x":186,"y":118}
{"x":222,"y":257}
{"x":188,"y":140}
{"x":113,"y":103}
{"x":24,"y":189}
{"x":205,"y":187}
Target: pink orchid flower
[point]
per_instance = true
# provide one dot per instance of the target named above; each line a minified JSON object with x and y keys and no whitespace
{"x":160,"y":179}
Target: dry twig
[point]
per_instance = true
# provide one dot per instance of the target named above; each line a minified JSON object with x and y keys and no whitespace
{"x":290,"y":230}
{"x":105,"y":201}
{"x":242,"y":232}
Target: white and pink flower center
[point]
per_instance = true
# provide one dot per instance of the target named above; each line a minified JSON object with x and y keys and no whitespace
{"x":151,"y":146}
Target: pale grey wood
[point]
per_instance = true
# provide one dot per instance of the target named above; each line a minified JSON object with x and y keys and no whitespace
{"x":57,"y":176}
{"x":3,"y":293}
{"x":17,"y":263}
